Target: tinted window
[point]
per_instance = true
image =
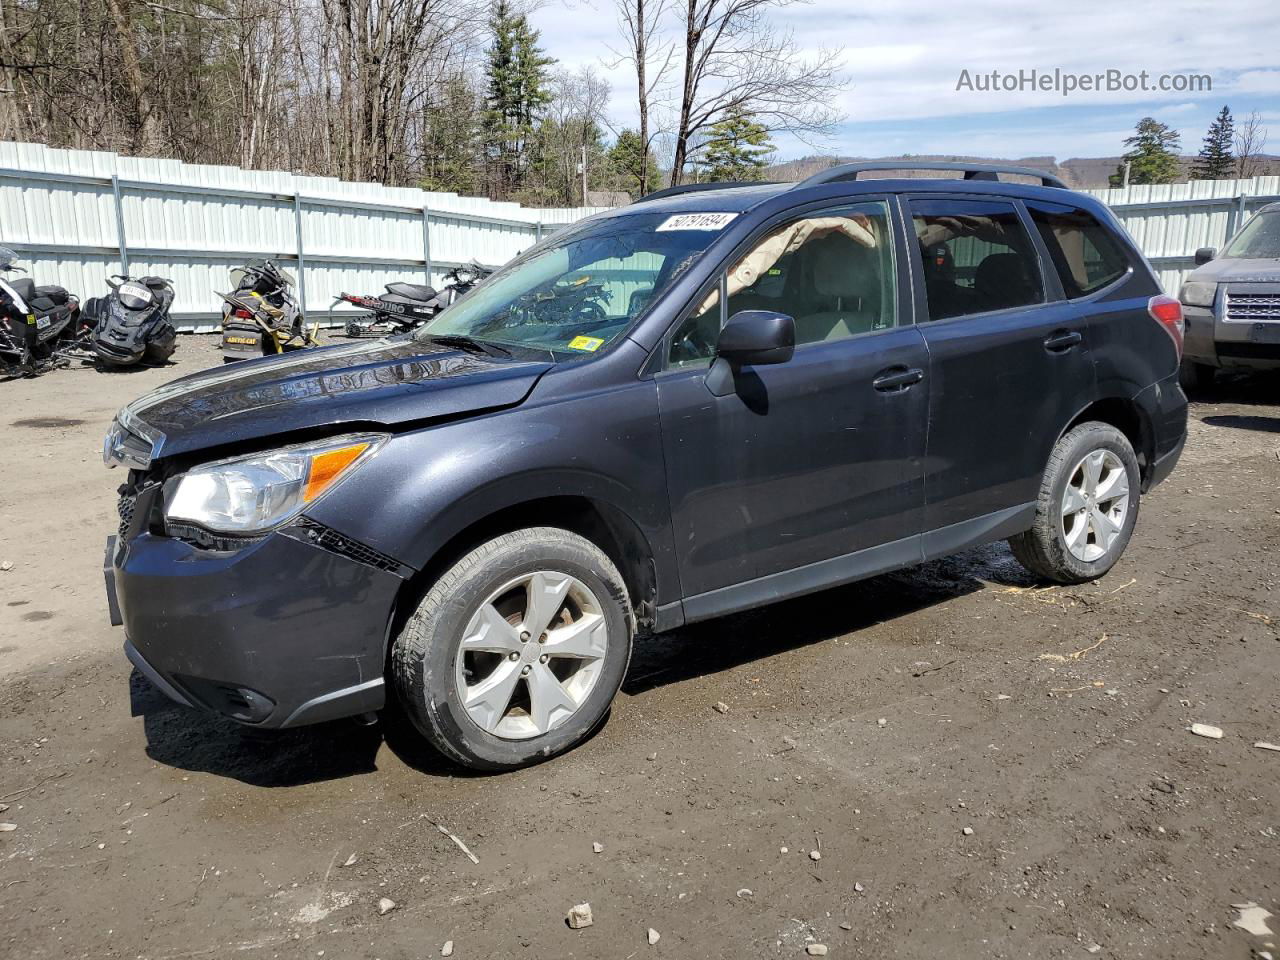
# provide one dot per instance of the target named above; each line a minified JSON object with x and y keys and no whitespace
{"x":832,"y":272}
{"x":976,"y":257}
{"x":1085,"y":254}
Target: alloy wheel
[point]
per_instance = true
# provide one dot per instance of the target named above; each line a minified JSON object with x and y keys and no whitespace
{"x":531,"y":655}
{"x":1095,"y":503}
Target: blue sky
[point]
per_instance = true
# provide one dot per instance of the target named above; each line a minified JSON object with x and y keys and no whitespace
{"x":902,"y":62}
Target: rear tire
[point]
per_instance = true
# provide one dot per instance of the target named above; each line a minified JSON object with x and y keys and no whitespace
{"x":1195,"y":377}
{"x":508,"y":698}
{"x":1087,"y":506}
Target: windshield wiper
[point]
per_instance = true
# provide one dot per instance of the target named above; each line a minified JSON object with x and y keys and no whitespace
{"x":470,"y":344}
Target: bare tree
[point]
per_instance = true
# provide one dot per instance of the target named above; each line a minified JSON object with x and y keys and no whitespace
{"x":575,"y":116}
{"x":640,"y":22}
{"x":139,"y":96}
{"x":1251,"y":138}
{"x":378,"y":46}
{"x":735,"y":59}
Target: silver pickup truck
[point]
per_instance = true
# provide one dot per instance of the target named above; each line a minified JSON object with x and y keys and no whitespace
{"x":1231,"y":303}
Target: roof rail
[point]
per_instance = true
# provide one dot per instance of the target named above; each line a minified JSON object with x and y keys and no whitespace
{"x":698,"y":187}
{"x":972,"y":171}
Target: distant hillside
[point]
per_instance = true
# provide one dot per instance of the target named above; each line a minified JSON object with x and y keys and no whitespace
{"x":1079,"y":172}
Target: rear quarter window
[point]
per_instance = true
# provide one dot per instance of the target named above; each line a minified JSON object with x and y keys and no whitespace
{"x":1086,"y":254}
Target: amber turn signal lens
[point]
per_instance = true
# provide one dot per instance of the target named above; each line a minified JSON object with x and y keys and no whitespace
{"x":328,"y":466}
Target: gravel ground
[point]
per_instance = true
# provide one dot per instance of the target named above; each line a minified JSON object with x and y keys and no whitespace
{"x":988,"y":768}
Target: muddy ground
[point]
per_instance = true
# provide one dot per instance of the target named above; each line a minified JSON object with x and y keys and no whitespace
{"x":877,"y":723}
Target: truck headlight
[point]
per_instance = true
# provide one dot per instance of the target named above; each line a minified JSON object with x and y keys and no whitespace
{"x":248,"y":495}
{"x":1198,"y":293}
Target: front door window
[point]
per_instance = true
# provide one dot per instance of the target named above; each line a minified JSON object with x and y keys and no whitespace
{"x":831,"y":271}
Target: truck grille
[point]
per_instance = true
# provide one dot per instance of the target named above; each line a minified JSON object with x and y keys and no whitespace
{"x":1253,"y":306}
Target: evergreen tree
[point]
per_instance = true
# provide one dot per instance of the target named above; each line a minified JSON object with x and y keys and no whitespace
{"x":516,"y":74}
{"x":1216,"y":161}
{"x":737,"y":148}
{"x":449,"y":147}
{"x":627,"y":157}
{"x":1152,"y":155}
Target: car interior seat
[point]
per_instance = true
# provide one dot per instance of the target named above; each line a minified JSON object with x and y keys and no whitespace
{"x":1001,"y":281}
{"x":845,"y":279}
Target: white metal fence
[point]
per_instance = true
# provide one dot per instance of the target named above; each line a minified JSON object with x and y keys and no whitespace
{"x":1170,"y":221}
{"x":78,"y":216}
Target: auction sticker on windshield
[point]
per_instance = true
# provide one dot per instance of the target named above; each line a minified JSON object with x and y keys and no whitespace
{"x":697,"y":221}
{"x":586,"y":343}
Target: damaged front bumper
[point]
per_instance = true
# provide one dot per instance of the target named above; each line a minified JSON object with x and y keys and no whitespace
{"x":282,"y":632}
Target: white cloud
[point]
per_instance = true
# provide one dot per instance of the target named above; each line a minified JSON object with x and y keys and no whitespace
{"x":1259,"y":81}
{"x":902,"y":61}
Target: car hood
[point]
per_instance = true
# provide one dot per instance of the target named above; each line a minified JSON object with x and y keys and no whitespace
{"x":1233,"y":270}
{"x":382,"y":382}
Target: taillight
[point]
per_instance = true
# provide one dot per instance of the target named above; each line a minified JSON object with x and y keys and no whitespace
{"x":1167,"y":311}
{"x":242,"y":313}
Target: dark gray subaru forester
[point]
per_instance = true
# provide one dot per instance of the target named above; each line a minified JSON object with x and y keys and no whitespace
{"x":710,"y":400}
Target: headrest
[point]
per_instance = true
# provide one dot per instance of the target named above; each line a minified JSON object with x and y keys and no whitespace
{"x":843,"y":268}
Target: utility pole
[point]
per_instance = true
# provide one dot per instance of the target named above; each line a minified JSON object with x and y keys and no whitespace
{"x":583,"y":165}
{"x":1127,"y":166}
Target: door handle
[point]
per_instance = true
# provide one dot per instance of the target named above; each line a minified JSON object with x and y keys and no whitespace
{"x":1060,"y":341}
{"x":897,"y":379}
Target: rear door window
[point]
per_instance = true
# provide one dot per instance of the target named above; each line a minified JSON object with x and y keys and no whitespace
{"x":1086,"y":254}
{"x":976,"y":257}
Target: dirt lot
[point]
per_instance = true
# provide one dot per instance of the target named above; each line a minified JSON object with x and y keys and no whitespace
{"x":879,"y":723}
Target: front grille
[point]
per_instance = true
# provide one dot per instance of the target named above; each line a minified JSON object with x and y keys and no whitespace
{"x":1253,"y":306}
{"x":124,"y":506}
{"x":331,"y":539}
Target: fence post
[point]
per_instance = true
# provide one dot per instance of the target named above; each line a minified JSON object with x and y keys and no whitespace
{"x":302,"y":263}
{"x":1239,"y":217}
{"x":426,"y":241}
{"x":120,"y":234}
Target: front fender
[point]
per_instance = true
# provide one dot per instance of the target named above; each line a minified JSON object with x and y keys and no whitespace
{"x":426,"y":486}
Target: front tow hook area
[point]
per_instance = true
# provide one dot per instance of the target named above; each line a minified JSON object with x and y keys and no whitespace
{"x":109,"y":574}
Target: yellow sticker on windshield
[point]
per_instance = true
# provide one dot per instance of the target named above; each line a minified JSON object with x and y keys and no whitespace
{"x":586,"y":343}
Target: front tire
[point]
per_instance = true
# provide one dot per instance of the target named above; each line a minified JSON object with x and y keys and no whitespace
{"x":1087,"y":507}
{"x":515,"y":654}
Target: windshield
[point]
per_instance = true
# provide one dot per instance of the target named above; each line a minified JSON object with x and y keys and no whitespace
{"x":1259,"y":240}
{"x":584,"y":288}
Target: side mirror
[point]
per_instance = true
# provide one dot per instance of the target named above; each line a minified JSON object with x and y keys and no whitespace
{"x":1205,"y":254}
{"x":756,"y":338}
